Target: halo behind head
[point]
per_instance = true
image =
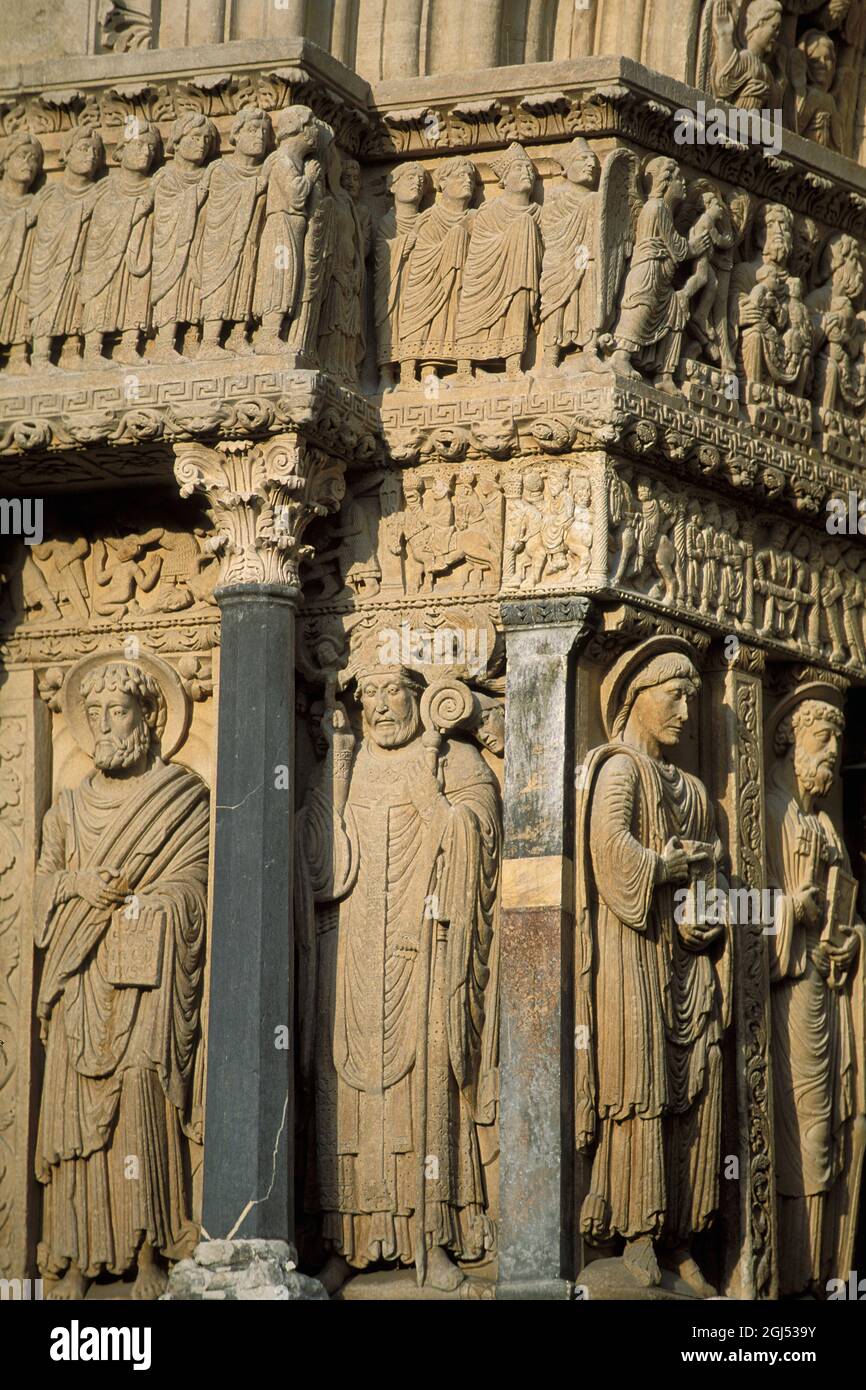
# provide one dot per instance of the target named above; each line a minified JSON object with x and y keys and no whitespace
{"x":171,"y":688}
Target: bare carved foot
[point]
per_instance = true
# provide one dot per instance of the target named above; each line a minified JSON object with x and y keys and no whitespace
{"x":640,"y":1257}
{"x":334,"y":1273}
{"x":72,"y":1287}
{"x":442,"y":1272}
{"x":151,"y":1280}
{"x":686,"y":1267}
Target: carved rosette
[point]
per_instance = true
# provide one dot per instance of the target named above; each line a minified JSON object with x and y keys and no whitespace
{"x":261,"y":499}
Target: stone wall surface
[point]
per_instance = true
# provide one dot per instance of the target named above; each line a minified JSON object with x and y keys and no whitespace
{"x":433,"y":626}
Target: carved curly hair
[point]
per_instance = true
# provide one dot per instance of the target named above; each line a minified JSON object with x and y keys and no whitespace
{"x":130,"y":679}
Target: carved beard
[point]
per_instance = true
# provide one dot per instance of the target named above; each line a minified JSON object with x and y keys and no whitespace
{"x":111,"y":753}
{"x":394,"y":734}
{"x":814,"y":774}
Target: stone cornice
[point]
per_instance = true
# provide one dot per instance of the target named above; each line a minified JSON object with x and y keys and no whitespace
{"x":604,"y":97}
{"x":91,"y":416}
{"x":217,"y":79}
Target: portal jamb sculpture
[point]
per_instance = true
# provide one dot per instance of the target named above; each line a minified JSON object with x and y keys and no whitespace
{"x":652,"y":992}
{"x":120,"y":909}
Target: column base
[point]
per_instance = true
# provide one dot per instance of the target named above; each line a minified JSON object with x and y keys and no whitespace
{"x":535,"y":1290}
{"x":242,"y":1271}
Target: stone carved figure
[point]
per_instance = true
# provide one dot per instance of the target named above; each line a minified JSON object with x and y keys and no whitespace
{"x":65,"y":209}
{"x":180,"y":191}
{"x":118,"y":252}
{"x":119,"y":911}
{"x":586,"y":226}
{"x":434,"y":274}
{"x":653,"y":313}
{"x":293,"y":172}
{"x":782,"y":581}
{"x":816,"y":954}
{"x":840,"y":380}
{"x":21,"y":161}
{"x":746,"y":76}
{"x":818,"y":115}
{"x":774,"y":325}
{"x":652,"y":987}
{"x":644,"y":517}
{"x":499,"y":298}
{"x":232,"y":230}
{"x":394,"y":242}
{"x":341,"y":327}
{"x":398,"y":846}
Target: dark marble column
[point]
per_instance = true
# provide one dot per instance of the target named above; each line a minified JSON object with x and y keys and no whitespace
{"x":536,"y":1247}
{"x":261,"y":498}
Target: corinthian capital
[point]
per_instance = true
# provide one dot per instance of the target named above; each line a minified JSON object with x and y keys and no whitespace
{"x":261,"y":498}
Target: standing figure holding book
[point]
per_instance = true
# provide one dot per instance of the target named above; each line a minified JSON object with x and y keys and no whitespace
{"x":119,"y":912}
{"x":817,"y":997}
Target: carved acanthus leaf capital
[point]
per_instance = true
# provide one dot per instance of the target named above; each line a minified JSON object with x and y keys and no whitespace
{"x":261,"y":498}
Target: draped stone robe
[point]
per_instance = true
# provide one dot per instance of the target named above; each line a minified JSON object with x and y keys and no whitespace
{"x":816,"y":1089}
{"x":179,"y":197}
{"x":17,"y":220}
{"x":500,"y":281}
{"x":379,"y":887}
{"x":432,"y":282}
{"x":649,"y":1084}
{"x":119,"y":1059}
{"x":395,"y":238}
{"x":58,"y":251}
{"x":569,"y":283}
{"x":230,"y":242}
{"x":652,"y":316}
{"x":115,"y":278}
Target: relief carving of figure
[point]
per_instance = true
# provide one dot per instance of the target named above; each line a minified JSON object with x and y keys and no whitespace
{"x":341,"y":328}
{"x":398,"y":846}
{"x":65,"y":209}
{"x":293,"y":173}
{"x":746,"y":76}
{"x":434,"y":275}
{"x":816,"y":955}
{"x":499,"y":298}
{"x":20,"y":167}
{"x":775,"y":328}
{"x":569,"y":280}
{"x":818,"y":114}
{"x":840,"y":383}
{"x":119,"y":912}
{"x":653,"y":314}
{"x":394,"y":241}
{"x":118,"y":253}
{"x":180,"y":191}
{"x":652,"y":976}
{"x":232,"y":229}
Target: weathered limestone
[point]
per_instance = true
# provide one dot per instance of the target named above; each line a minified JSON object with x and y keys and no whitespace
{"x":464,"y":900}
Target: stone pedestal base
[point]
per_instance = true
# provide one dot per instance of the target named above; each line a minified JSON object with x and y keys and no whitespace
{"x":242,"y":1270}
{"x":611,"y":1280}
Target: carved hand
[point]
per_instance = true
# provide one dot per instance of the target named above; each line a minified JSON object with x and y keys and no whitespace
{"x":424,"y":789}
{"x":699,"y":935}
{"x":809,"y":905}
{"x":100,"y":888}
{"x":675,"y":862}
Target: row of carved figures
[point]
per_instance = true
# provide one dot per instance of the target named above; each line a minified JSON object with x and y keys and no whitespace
{"x":198,"y":247}
{"x":623,"y":263}
{"x":403,"y":1128}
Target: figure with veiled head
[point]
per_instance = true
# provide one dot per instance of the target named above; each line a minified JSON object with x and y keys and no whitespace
{"x":21,"y":160}
{"x":651,"y":996}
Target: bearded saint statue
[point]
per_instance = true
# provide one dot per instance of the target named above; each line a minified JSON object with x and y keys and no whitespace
{"x":398,"y":861}
{"x":816,"y":980}
{"x":652,"y":995}
{"x":119,"y":911}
